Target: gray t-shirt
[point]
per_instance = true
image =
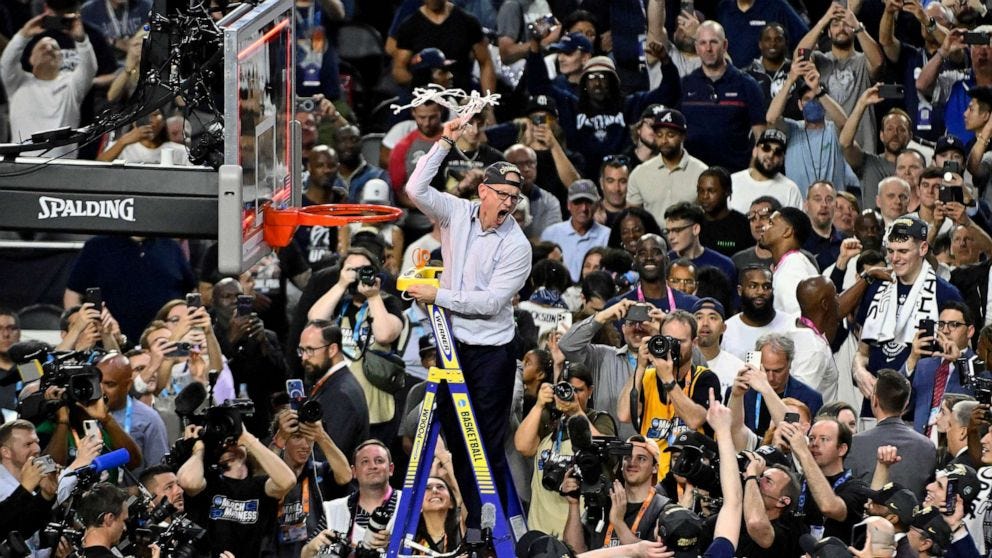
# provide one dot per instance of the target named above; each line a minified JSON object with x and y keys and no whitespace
{"x":874,"y":168}
{"x":846,"y":79}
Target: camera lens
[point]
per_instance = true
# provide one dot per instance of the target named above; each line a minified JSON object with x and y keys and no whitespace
{"x":564,"y":391}
{"x":311,"y":411}
{"x":659,"y":346}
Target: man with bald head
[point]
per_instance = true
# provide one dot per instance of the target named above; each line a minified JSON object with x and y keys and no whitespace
{"x":814,"y":331}
{"x":545,"y":209}
{"x":139,"y":421}
{"x":722,"y":105}
{"x":253,"y":353}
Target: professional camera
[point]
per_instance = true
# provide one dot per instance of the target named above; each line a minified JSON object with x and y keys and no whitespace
{"x":595,"y":460}
{"x":367,"y":275}
{"x":564,"y":391}
{"x":223,"y":424}
{"x":52,"y":534}
{"x":972,"y":373}
{"x":311,"y":411}
{"x":700,"y":472}
{"x":378,"y":521}
{"x":555,"y":468}
{"x":14,"y":546}
{"x":74,"y":372}
{"x":666,"y":346}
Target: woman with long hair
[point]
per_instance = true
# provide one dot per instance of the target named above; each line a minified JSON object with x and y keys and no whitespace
{"x":440,"y":526}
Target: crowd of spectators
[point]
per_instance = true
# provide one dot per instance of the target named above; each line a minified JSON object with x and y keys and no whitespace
{"x":827,"y":310}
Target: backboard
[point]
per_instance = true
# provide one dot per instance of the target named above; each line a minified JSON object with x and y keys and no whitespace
{"x":261,"y":145}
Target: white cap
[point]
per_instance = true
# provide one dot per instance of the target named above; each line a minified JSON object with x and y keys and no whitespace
{"x":376,"y":191}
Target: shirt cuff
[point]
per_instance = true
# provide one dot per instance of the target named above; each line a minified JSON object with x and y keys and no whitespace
{"x":443,"y":298}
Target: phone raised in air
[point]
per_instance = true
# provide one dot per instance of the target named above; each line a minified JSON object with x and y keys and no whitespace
{"x":637,"y":313}
{"x":891,"y":91}
{"x":245,"y":304}
{"x":94,"y":296}
{"x":297,"y":393}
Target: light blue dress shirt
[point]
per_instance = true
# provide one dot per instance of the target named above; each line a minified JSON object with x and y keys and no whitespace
{"x":574,"y":245}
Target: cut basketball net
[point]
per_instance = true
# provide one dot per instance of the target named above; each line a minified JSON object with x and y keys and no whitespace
{"x":279,"y":225}
{"x":465,"y":105}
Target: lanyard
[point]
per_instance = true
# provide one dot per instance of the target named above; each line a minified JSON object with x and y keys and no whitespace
{"x":356,"y":326}
{"x":119,"y":25}
{"x":840,"y":480}
{"x":556,"y":446}
{"x":305,"y":500}
{"x":809,"y":323}
{"x":757,"y":405}
{"x":320,"y":384}
{"x":128,"y":411}
{"x":351,"y":532}
{"x":782,"y":259}
{"x":637,"y":520}
{"x":671,"y":297}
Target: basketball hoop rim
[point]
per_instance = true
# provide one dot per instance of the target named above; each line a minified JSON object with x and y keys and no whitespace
{"x":278,"y":222}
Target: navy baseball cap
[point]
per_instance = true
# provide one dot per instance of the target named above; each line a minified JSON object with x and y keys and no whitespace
{"x":897,"y":499}
{"x":709,"y":303}
{"x":773,"y":135}
{"x":571,"y":42}
{"x":496,"y":174}
{"x":430,"y":59}
{"x":681,"y":530}
{"x":949,"y":143}
{"x":909,"y":226}
{"x":542,"y":103}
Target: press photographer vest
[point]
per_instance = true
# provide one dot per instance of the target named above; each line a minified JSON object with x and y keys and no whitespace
{"x":658,"y":420}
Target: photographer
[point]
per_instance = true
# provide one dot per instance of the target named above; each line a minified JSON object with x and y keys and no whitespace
{"x":635,"y":508}
{"x":770,"y":497}
{"x":368,"y":514}
{"x":933,"y":364}
{"x":673,"y":392}
{"x":253,"y":352}
{"x":83,"y":327}
{"x":103,"y":512}
{"x":543,"y":435}
{"x":162,"y":482}
{"x":241,"y":508}
{"x":302,"y":508}
{"x":368,"y":319}
{"x":68,"y":424}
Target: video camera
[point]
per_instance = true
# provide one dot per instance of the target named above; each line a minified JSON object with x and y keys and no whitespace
{"x":969,"y":376}
{"x":176,"y":539}
{"x":592,"y":464}
{"x":74,"y":371}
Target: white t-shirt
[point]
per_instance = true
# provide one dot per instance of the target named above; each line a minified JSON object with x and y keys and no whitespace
{"x":138,"y":153}
{"x":747,"y":189}
{"x":740,"y":337}
{"x":813,"y":363}
{"x":788,"y":273}
{"x":726,"y":366}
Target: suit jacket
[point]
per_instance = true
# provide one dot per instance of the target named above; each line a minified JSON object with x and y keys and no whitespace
{"x":919,"y":456}
{"x":973,"y":282}
{"x":923,"y":385}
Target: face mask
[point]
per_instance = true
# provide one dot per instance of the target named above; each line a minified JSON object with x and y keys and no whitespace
{"x":813,"y":111}
{"x":139,"y":384}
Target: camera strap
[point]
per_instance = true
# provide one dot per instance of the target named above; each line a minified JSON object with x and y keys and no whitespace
{"x":608,"y":539}
{"x":801,"y":508}
{"x":671,"y":297}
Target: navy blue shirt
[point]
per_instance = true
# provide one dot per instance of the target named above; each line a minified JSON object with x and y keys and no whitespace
{"x":596,"y":133}
{"x":720,"y":115}
{"x":136,"y":277}
{"x":826,"y":250}
{"x":714,"y":259}
{"x":793,"y":388}
{"x":682,"y":301}
{"x":745,"y":27}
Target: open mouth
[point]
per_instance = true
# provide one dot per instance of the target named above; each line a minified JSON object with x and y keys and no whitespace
{"x":502,"y":214}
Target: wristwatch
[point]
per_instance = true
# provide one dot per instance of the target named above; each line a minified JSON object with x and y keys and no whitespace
{"x":669,"y":386}
{"x":868,"y":278}
{"x":823,"y":91}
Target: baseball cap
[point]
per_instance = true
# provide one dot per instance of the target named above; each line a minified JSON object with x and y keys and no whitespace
{"x":542,"y":103}
{"x":909,"y":226}
{"x":772,"y":135}
{"x":830,"y":547}
{"x":695,"y":440}
{"x":583,"y":189}
{"x":933,"y":525}
{"x":599,"y":64}
{"x":982,"y":94}
{"x":649,"y":446}
{"x":572,"y":42}
{"x":426,"y":344}
{"x":496,"y":174}
{"x":709,"y":303}
{"x":662,"y":117}
{"x":376,"y":191}
{"x":774,"y":456}
{"x":948,"y":143}
{"x":429,"y":59}
{"x":681,"y":530}
{"x":536,"y":544}
{"x":967,"y":479}
{"x":899,"y":500}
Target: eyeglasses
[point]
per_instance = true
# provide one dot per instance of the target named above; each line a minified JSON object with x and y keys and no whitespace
{"x":776,"y":151}
{"x":616,"y":159}
{"x":759,"y":215}
{"x":310,"y":351}
{"x":505,"y":196}
{"x":675,"y":230}
{"x":689,"y":283}
{"x":596,"y":75}
{"x":952,"y":325}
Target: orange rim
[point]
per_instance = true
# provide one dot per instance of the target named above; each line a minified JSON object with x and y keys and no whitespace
{"x":280,"y":224}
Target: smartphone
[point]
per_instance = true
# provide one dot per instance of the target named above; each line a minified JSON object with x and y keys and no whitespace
{"x":976,"y":38}
{"x":805,"y":54}
{"x":539,"y":119}
{"x":891,"y":91}
{"x":193,"y":301}
{"x":753,"y":358}
{"x":245,"y":304}
{"x":929,"y":329}
{"x":791,"y":417}
{"x":952,"y":166}
{"x":56,"y":23}
{"x":948,"y":194}
{"x":952,"y":496}
{"x":297,"y":393}
{"x":858,"y":534}
{"x":638,"y":313}
{"x":180,"y":350}
{"x":92,"y":428}
{"x":688,"y":6}
{"x":95,"y":297}
{"x":47,"y":464}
